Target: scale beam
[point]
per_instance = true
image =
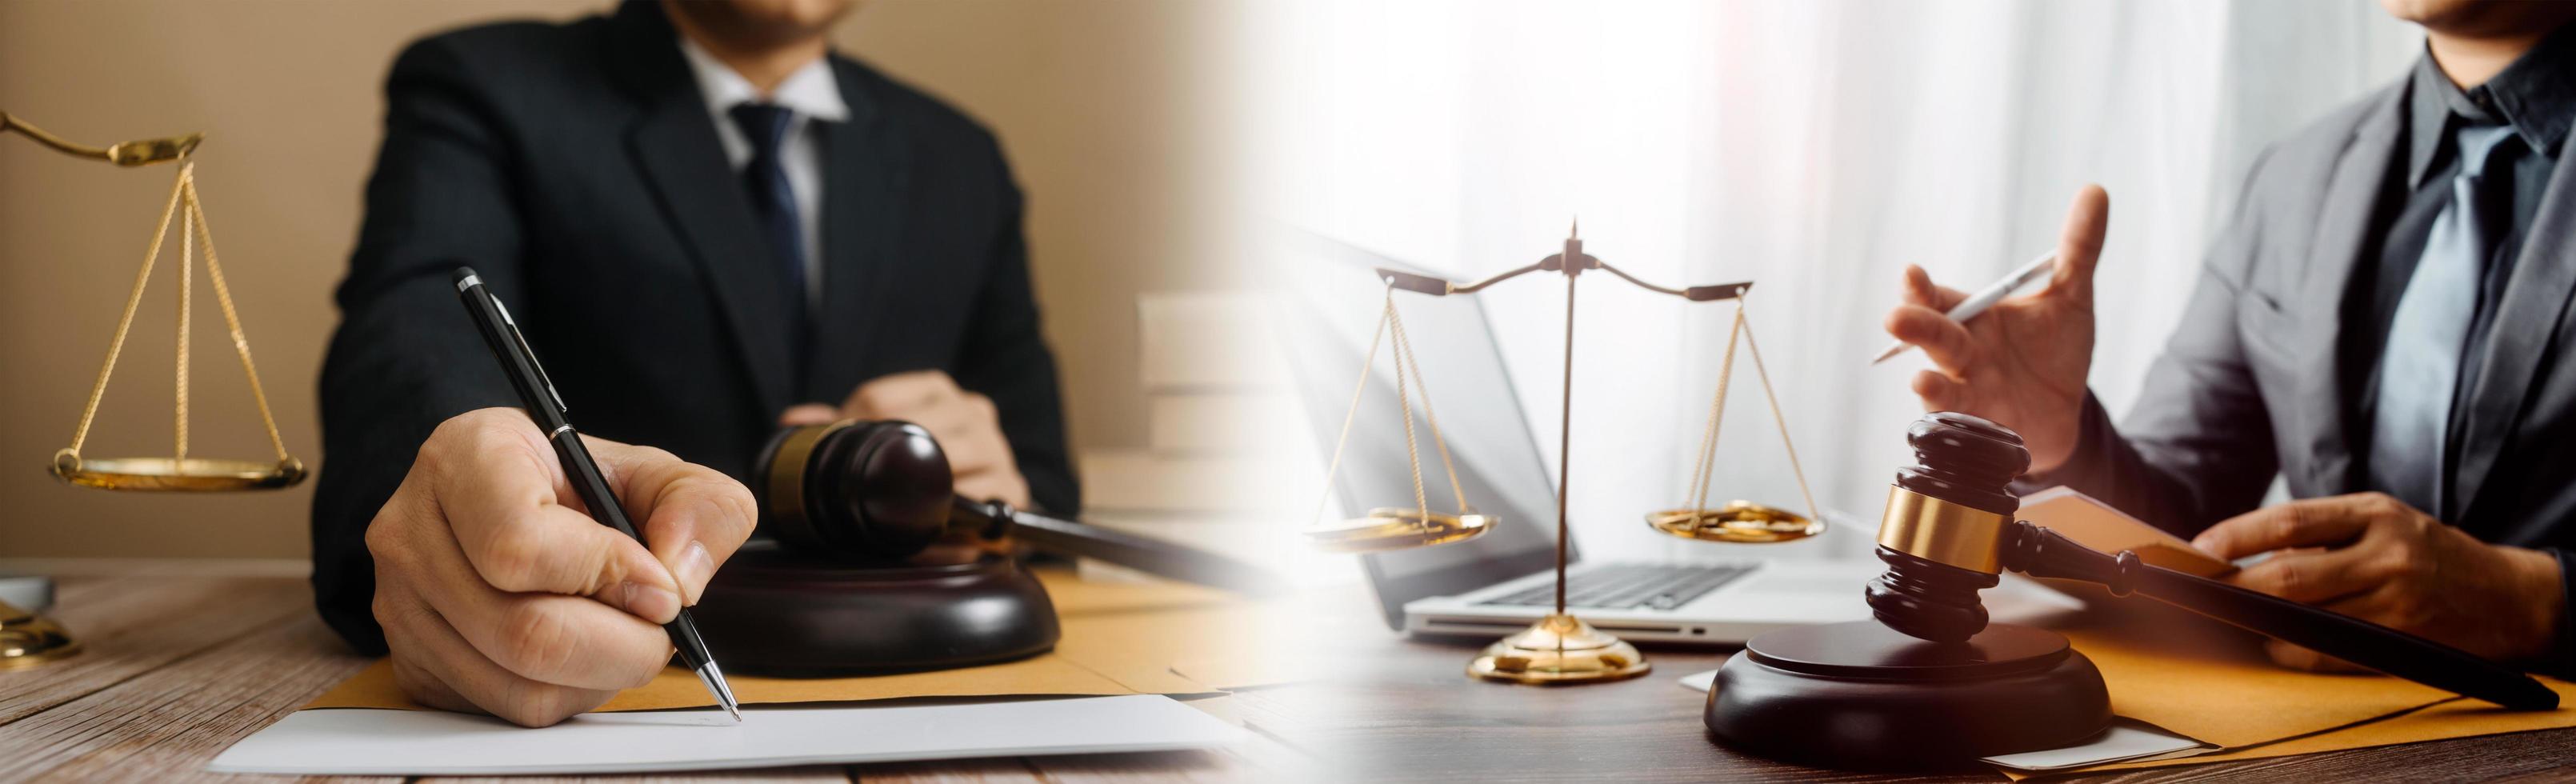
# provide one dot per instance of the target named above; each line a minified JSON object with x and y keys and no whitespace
{"x":141,"y":152}
{"x":1439,"y":287}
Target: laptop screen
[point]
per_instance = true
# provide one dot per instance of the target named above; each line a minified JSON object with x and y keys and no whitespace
{"x":1336,"y":306}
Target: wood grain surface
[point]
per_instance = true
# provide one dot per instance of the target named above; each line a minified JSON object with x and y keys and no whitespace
{"x":177,"y":668}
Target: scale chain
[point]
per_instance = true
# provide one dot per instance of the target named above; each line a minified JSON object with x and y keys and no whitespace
{"x":1404,"y":406}
{"x":187,"y":292}
{"x":194,"y":231}
{"x":232,"y":319}
{"x":1409,"y":361}
{"x":1700,"y":481}
{"x":134,"y":299}
{"x":1367,"y":360}
{"x":1786,"y":443}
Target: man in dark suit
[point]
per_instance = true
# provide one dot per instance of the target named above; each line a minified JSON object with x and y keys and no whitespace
{"x":708,"y":225}
{"x":2384,"y":325}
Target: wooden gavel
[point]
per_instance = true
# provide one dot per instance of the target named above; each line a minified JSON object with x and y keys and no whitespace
{"x":1949,"y":532}
{"x":873,"y":492}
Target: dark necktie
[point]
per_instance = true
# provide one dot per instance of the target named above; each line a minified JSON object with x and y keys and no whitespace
{"x":765,"y":180}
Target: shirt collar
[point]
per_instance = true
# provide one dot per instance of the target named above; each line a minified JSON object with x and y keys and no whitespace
{"x":811,"y":91}
{"x":2536,"y":95}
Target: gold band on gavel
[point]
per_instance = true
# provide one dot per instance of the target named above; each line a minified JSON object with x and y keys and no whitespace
{"x":787,"y":468}
{"x":1942,"y":532}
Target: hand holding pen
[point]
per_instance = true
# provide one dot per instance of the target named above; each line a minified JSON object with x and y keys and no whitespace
{"x":2021,"y":361}
{"x":545,"y":405}
{"x":496,"y":591}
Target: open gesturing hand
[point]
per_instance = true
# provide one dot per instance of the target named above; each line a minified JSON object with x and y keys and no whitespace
{"x":2023,"y":362}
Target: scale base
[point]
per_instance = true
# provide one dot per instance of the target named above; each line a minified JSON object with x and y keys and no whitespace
{"x":1559,"y":650}
{"x":29,"y":640}
{"x":770,"y":612}
{"x":1862,"y":696}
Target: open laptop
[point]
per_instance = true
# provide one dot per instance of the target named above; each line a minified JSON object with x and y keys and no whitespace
{"x":1498,"y":583}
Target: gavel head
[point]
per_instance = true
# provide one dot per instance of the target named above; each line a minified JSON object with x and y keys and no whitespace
{"x":853,"y":490}
{"x":1942,"y":536}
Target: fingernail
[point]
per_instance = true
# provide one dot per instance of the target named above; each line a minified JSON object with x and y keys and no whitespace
{"x":650,"y":602}
{"x":695,"y":567}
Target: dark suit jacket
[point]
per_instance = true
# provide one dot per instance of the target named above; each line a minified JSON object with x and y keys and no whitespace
{"x":576,"y":168}
{"x":2256,"y":381}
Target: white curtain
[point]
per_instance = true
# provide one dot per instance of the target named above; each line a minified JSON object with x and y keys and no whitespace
{"x":1813,"y":147}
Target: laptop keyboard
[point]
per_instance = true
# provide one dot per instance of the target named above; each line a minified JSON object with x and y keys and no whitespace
{"x":1639,"y":586}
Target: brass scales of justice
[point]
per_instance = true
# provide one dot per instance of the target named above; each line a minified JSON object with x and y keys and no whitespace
{"x":178,"y":472}
{"x":1559,"y":648}
{"x":28,"y":639}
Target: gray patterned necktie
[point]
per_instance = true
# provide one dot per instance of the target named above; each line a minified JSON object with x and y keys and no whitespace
{"x":2419,"y":370}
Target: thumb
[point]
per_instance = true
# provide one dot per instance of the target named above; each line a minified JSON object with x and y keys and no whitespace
{"x":2079,"y":245}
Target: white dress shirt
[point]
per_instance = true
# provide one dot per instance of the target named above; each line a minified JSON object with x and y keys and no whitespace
{"x":812,"y":94}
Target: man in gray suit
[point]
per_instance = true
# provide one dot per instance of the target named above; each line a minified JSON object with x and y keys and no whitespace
{"x":2384,"y":324}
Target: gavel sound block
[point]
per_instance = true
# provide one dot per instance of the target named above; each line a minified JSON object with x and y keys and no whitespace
{"x":1931,"y":684}
{"x":778,"y":613}
{"x":849,"y":577}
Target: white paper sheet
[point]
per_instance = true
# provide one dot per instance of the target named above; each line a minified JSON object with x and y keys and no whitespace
{"x":368,"y":741}
{"x":2125,"y":740}
{"x":1699,"y":681}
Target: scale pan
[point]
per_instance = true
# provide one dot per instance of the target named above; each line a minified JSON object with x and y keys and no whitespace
{"x":1389,"y":528}
{"x":1742,"y":522}
{"x":166,"y":474}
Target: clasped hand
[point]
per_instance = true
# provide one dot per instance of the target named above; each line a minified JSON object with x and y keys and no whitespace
{"x":967,"y":425}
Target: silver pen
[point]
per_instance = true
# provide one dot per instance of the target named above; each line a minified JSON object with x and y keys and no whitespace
{"x":1985,"y":298}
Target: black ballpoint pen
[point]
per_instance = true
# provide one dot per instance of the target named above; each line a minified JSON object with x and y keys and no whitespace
{"x":537,"y":394}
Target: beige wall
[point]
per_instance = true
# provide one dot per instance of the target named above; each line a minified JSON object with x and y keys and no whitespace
{"x":1104,"y":106}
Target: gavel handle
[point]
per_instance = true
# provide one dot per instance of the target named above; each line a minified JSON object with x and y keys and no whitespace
{"x":2040,"y":552}
{"x":994,"y":519}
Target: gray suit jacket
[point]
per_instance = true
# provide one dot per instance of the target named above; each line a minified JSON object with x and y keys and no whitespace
{"x":2254,"y":383}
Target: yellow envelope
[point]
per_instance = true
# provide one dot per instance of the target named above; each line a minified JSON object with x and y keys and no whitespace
{"x":1119,"y":638}
{"x":2206,"y":680}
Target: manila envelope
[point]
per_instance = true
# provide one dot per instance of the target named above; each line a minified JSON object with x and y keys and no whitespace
{"x":1119,"y":638}
{"x":2209,"y":681}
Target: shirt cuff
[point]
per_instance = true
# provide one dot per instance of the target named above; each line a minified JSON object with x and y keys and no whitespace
{"x":2093,"y":427}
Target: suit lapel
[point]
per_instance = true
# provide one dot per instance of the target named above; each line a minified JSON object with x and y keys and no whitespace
{"x":674,"y":142}
{"x":2525,"y":326}
{"x":865,"y":178}
{"x":2343,"y":230}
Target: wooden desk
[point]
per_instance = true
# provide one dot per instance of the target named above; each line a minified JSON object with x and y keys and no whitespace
{"x":1410,"y":713}
{"x":177,"y":668}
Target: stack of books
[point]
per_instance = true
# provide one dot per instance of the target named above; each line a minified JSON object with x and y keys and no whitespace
{"x":1228,"y":463}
